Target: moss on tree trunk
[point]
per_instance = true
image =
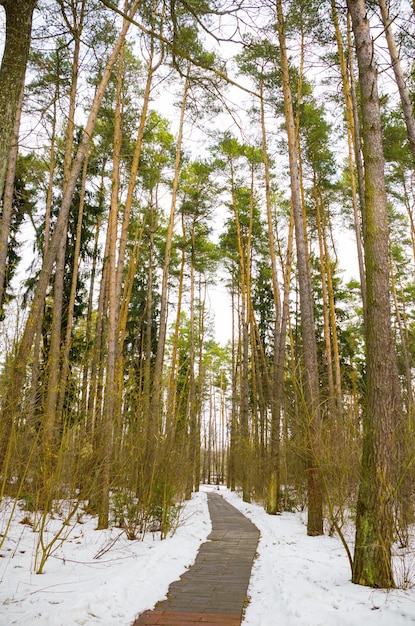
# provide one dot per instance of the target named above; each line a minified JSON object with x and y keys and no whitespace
{"x":383,"y":410}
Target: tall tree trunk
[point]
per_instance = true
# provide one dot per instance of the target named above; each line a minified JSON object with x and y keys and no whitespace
{"x":76,"y":28}
{"x":86,"y":379}
{"x":244,"y":254}
{"x":177,"y":406}
{"x":383,"y":410}
{"x":409,"y":210}
{"x":333,"y":322}
{"x":276,"y":393}
{"x":50,"y":434}
{"x":96,"y":378}
{"x":352,"y":133}
{"x":148,"y":365}
{"x":152,"y":67}
{"x":71,"y":304}
{"x":311,"y":387}
{"x":404,"y":433}
{"x":326,"y":306}
{"x":7,"y":208}
{"x":233,"y":435}
{"x":154,"y":415}
{"x":404,"y":337}
{"x":20,"y":362}
{"x":109,"y":418}
{"x":55,"y":383}
{"x":192,"y":400}
{"x":356,"y":134}
{"x":200,"y":385}
{"x":406,"y":103}
{"x":19,"y":15}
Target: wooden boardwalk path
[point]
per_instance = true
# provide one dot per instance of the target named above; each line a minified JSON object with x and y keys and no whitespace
{"x":213,"y":591}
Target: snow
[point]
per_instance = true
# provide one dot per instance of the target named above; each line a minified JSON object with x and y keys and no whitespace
{"x":296,"y":580}
{"x":78,"y":588}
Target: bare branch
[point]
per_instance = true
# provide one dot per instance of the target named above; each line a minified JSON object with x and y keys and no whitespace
{"x":177,"y":50}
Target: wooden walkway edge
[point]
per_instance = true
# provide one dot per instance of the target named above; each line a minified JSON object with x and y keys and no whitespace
{"x":214,"y":590}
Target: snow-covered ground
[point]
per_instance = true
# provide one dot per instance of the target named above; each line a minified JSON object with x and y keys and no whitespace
{"x":95,"y":577}
{"x":305,"y":581}
{"x":100,"y":577}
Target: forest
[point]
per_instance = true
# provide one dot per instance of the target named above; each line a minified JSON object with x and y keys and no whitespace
{"x":166,"y":167}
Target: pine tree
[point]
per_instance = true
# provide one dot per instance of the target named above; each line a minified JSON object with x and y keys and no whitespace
{"x":383,"y":410}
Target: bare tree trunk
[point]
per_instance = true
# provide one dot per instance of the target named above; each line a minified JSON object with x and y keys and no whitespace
{"x":286,"y":265}
{"x":243,"y":326}
{"x":356,"y":137}
{"x":7,"y":208}
{"x":233,"y":435}
{"x":404,"y":337}
{"x":311,"y":387}
{"x":55,"y":381}
{"x":409,"y":210}
{"x":399,"y":77}
{"x":353,"y":146}
{"x":404,"y":433}
{"x":333,"y":321}
{"x":19,"y":15}
{"x":201,"y":383}
{"x":326,"y":310}
{"x":383,"y":411}
{"x":122,"y":247}
{"x":192,"y":404}
{"x":276,"y":393}
{"x":148,"y":340}
{"x":49,"y":438}
{"x":109,"y":418}
{"x":87,"y":380}
{"x":76,"y":29}
{"x":20,"y":362}
{"x":158,"y":367}
{"x":71,"y":305}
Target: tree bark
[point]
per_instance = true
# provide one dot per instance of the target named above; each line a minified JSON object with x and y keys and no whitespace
{"x":273,"y":476}
{"x":110,"y":417}
{"x":353,"y":145}
{"x":19,"y":15}
{"x":407,"y":109}
{"x":311,"y":382}
{"x":7,"y":209}
{"x":192,"y":411}
{"x":374,"y":519}
{"x":356,"y":134}
{"x":153,"y":418}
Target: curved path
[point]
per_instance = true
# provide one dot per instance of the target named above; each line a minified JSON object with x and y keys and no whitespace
{"x":213,"y":591}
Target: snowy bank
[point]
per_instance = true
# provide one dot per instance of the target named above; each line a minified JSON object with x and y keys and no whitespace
{"x":78,"y":588}
{"x":305,"y":581}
